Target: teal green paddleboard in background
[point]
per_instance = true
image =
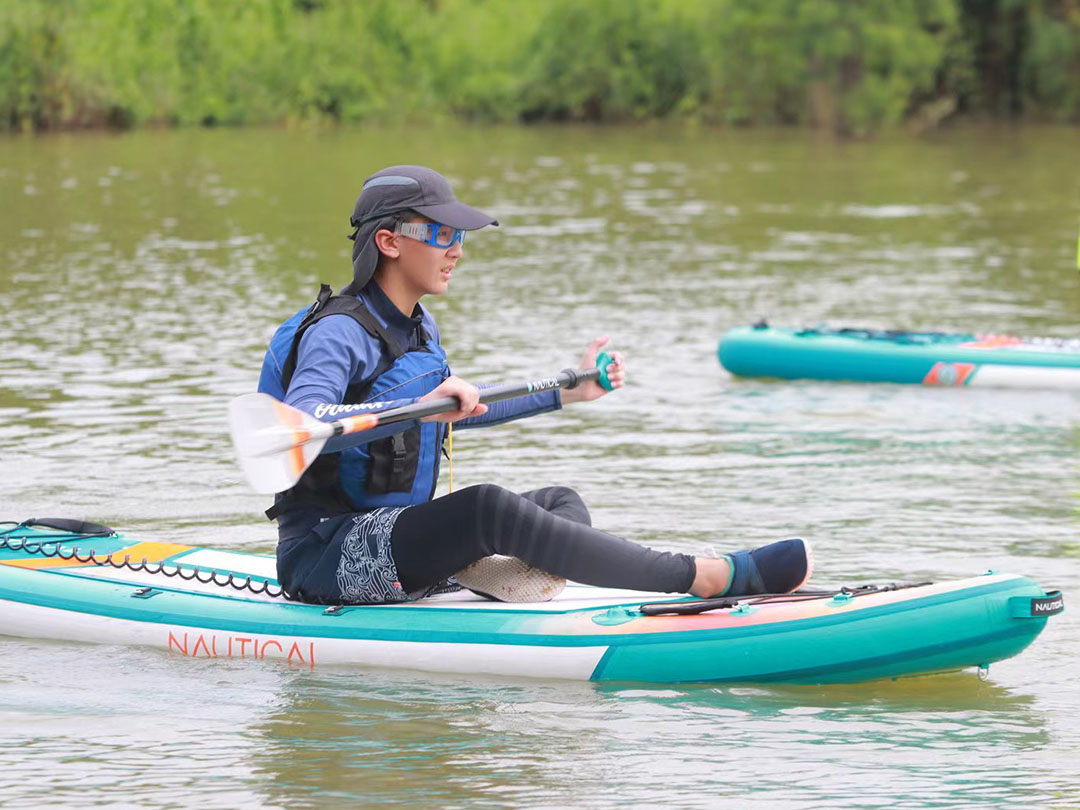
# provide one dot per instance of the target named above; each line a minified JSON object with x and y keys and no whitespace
{"x":927,"y":358}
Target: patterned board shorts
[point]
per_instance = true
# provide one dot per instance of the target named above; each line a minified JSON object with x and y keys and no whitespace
{"x":366,"y":573}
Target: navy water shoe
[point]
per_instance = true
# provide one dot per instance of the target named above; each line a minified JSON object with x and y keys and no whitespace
{"x":779,"y":567}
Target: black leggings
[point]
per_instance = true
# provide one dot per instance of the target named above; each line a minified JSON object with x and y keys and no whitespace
{"x":548,"y":528}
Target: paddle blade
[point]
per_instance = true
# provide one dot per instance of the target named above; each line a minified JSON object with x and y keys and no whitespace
{"x":274,"y":442}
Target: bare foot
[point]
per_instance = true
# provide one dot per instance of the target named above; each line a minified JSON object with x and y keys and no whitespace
{"x":713,"y":576}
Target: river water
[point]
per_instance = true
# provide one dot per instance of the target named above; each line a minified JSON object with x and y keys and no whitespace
{"x":142,"y":274}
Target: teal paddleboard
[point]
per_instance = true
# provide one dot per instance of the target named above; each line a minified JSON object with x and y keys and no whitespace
{"x":209,"y":604}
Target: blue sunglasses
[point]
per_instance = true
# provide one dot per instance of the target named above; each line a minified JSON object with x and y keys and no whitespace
{"x":431,"y":233}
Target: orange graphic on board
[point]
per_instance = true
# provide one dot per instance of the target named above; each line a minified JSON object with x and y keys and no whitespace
{"x":139,"y":552}
{"x":944,"y":373}
{"x":992,"y":342}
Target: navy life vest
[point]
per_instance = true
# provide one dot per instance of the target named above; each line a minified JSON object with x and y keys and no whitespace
{"x":398,"y":470}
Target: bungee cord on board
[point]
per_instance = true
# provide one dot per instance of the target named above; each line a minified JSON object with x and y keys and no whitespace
{"x":40,"y":545}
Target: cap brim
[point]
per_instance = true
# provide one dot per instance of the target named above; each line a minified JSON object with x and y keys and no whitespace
{"x":456,"y":215}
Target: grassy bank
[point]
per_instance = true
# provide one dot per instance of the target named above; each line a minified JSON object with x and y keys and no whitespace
{"x":845,"y":66}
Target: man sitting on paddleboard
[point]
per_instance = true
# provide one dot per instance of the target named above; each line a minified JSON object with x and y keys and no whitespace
{"x":361,"y":526}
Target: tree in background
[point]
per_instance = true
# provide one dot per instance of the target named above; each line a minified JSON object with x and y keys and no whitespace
{"x":848,"y":67}
{"x":845,"y":66}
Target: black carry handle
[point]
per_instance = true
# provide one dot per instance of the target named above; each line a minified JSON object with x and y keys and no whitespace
{"x":82,"y":527}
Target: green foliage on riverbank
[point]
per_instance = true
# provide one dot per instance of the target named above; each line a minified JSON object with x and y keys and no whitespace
{"x":851,"y":67}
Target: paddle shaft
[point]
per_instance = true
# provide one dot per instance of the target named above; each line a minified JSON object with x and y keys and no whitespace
{"x":567,"y":378}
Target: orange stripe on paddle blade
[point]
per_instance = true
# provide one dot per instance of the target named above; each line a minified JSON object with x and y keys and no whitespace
{"x":291,"y":417}
{"x":296,"y":460}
